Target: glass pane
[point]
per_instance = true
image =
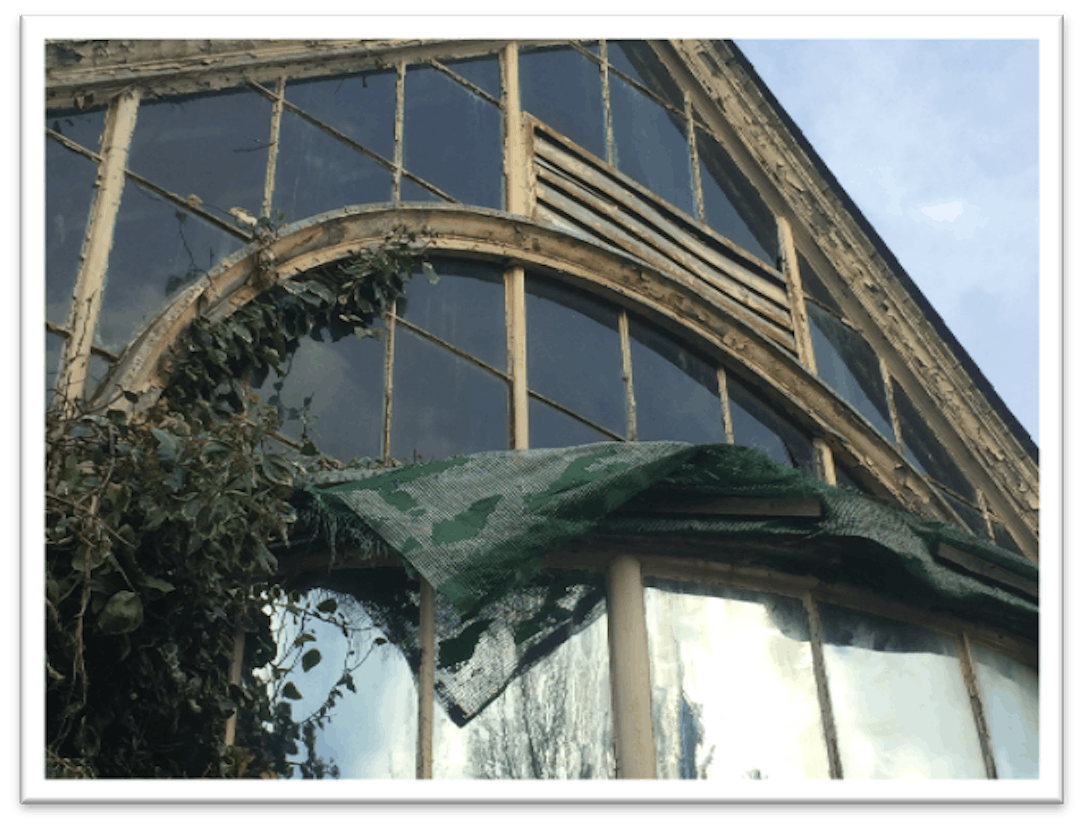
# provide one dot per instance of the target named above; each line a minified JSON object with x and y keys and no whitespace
{"x":732,"y":206}
{"x":453,"y":138}
{"x":443,"y":405}
{"x":371,"y":731}
{"x":562,"y":89}
{"x":675,"y":392}
{"x":334,"y":391}
{"x":924,"y":451}
{"x":361,"y":106}
{"x":650,"y":145}
{"x":416,"y":193}
{"x":54,"y":346}
{"x":899,"y":700}
{"x":549,"y":428}
{"x":483,"y":71}
{"x":159,"y":248}
{"x":847,"y":363}
{"x":1004,"y":539}
{"x":213,"y":146}
{"x":552,"y":722}
{"x":1010,"y":699}
{"x":765,"y":722}
{"x":969,"y":515}
{"x":563,"y":325}
{"x":755,"y":425}
{"x":813,"y":287}
{"x":69,"y":190}
{"x":317,"y":173}
{"x":636,"y":59}
{"x":82,"y":127}
{"x":96,"y":370}
{"x":465,"y":308}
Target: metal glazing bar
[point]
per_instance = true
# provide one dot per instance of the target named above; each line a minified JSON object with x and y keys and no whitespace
{"x":890,"y":400}
{"x":603,"y":430}
{"x":388,"y":381}
{"x":399,"y":130}
{"x":800,"y":322}
{"x":628,"y":649}
{"x":628,"y":377}
{"x":695,"y":164}
{"x":426,"y":679}
{"x":828,"y":721}
{"x":605,"y":92}
{"x":515,"y":160}
{"x":94,"y":259}
{"x":725,"y":404}
{"x":272,"y":148}
{"x":967,"y":667}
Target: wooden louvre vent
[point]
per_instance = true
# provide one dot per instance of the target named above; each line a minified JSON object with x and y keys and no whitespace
{"x":581,"y":193}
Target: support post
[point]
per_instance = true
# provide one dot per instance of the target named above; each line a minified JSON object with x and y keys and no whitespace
{"x":426,"y":678}
{"x":628,"y":649}
{"x":94,"y":260}
{"x":235,"y":672}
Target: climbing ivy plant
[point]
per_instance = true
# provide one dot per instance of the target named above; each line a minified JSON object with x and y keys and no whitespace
{"x":160,"y":550}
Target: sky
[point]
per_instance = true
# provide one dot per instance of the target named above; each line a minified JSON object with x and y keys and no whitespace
{"x":936,"y":141}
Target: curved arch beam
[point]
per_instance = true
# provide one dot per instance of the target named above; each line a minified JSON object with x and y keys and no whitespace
{"x":674,"y":300}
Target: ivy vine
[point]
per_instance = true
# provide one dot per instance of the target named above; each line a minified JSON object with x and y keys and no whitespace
{"x":160,"y":548}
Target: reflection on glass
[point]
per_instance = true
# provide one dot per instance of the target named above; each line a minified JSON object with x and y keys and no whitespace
{"x":650,"y":145}
{"x":756,"y":425}
{"x":213,"y":146}
{"x":732,"y":206}
{"x":847,"y":363}
{"x":733,"y":689}
{"x":562,"y":89}
{"x":443,"y":405}
{"x":899,"y":700}
{"x":360,"y":105}
{"x":158,"y":249}
{"x":675,"y":392}
{"x":82,"y":127}
{"x":813,"y":287}
{"x":453,"y":138}
{"x":636,"y":59}
{"x":549,"y":428}
{"x":69,"y":189}
{"x":482,"y":71}
{"x":371,"y":732}
{"x":465,"y":307}
{"x":574,"y":355}
{"x":316,"y":173}
{"x":552,"y":722}
{"x":923,"y":450}
{"x":334,"y":392}
{"x":1010,"y":699}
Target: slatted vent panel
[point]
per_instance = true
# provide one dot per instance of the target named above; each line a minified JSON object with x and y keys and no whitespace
{"x":577,"y":191}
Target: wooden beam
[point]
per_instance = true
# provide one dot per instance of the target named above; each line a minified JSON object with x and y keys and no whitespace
{"x":987,"y":570}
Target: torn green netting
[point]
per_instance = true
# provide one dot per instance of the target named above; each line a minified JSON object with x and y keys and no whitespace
{"x":478,"y":528}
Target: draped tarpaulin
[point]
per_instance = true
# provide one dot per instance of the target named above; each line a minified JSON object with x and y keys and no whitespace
{"x":478,"y":527}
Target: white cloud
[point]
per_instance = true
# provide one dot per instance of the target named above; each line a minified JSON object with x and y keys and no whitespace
{"x":944,"y":211}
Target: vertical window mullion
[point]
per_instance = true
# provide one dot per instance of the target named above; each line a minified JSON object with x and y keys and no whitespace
{"x":426,"y":683}
{"x":388,"y":382}
{"x":272,"y":148}
{"x":695,"y":164}
{"x":516,"y":359}
{"x":967,"y":669}
{"x":399,"y":130}
{"x":628,"y":377}
{"x":605,"y":93}
{"x":828,"y":720}
{"x":725,"y":404}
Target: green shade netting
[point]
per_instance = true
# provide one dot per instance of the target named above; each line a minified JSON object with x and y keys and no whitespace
{"x":478,"y":528}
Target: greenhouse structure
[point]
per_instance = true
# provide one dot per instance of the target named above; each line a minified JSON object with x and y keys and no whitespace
{"x":672,"y":470}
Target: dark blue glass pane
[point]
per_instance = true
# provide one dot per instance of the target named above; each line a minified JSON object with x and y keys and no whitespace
{"x":636,"y":59}
{"x":82,"y":127}
{"x":443,"y":405}
{"x":317,"y":173}
{"x":360,"y":105}
{"x":550,"y":428}
{"x":453,"y":138}
{"x":482,"y":71}
{"x":562,"y":89}
{"x":1004,"y":539}
{"x":334,"y":393}
{"x":732,"y":207}
{"x":465,"y":308}
{"x":69,"y":190}
{"x":158,"y":249}
{"x":415,"y":193}
{"x":54,"y":345}
{"x":847,"y":363}
{"x":675,"y":392}
{"x":756,"y":425}
{"x":814,"y":288}
{"x":969,"y":515}
{"x":573,"y":350}
{"x":213,"y":146}
{"x":650,"y":145}
{"x":923,"y":450}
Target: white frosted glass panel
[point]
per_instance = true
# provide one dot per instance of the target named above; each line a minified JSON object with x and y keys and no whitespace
{"x":552,"y":722}
{"x":1010,"y":698}
{"x":733,"y":687}
{"x":899,"y":700}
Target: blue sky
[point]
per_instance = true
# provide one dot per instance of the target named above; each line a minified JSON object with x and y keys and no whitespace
{"x":936,"y":141}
